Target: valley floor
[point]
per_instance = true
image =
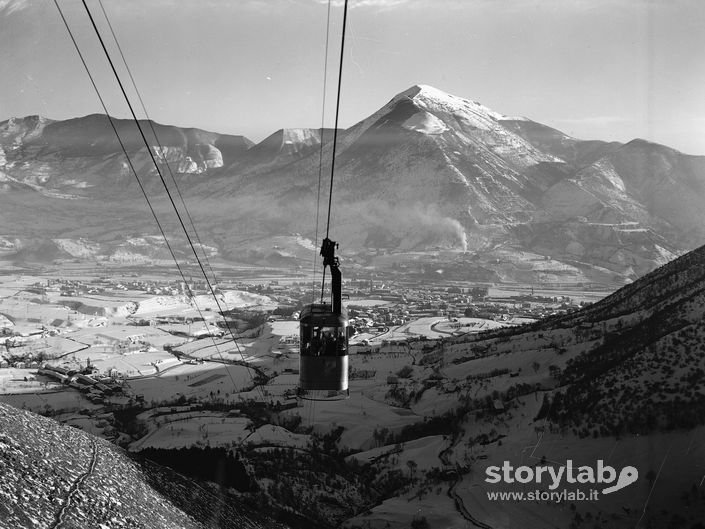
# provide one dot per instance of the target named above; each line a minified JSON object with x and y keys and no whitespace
{"x":426,"y":418}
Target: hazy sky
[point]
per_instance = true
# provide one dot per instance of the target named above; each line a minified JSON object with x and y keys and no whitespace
{"x":595,"y":69}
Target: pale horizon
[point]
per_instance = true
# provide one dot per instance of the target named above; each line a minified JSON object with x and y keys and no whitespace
{"x":606,"y":70}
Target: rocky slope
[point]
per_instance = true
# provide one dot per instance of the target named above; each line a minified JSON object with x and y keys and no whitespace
{"x":56,"y":475}
{"x":73,"y":155}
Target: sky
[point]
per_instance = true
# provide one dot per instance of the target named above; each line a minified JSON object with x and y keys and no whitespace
{"x":594,"y":69}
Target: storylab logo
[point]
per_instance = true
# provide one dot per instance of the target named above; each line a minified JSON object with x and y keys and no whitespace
{"x":557,"y":478}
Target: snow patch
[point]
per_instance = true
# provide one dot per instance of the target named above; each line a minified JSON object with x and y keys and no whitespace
{"x":611,"y":175}
{"x":300,"y":137}
{"x":240,"y":299}
{"x":306,"y":243}
{"x":160,"y":303}
{"x":270,"y":434}
{"x":78,"y":247}
{"x":425,"y":123}
{"x":451,"y":103}
{"x":7,"y":244}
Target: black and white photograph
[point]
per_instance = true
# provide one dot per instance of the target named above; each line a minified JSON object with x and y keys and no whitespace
{"x":352,"y":264}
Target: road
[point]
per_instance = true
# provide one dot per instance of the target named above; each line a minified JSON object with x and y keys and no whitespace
{"x":76,"y":487}
{"x":459,"y":505}
{"x":85,"y":346}
{"x":369,"y":336}
{"x":434,"y":328}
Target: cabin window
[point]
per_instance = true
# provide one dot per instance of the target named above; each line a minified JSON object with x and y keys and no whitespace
{"x":323,"y":341}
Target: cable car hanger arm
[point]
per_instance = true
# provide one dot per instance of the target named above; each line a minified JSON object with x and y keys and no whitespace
{"x":330,"y":260}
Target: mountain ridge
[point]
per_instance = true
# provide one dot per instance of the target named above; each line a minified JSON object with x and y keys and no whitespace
{"x":428,"y":169}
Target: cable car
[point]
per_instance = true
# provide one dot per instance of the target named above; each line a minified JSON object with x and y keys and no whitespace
{"x":323,"y":339}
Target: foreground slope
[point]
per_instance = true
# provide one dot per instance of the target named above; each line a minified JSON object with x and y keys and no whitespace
{"x":633,"y":362}
{"x":621,"y":381}
{"x":54,"y":474}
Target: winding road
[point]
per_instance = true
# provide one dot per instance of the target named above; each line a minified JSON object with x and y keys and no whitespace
{"x":76,"y":487}
{"x":459,"y":505}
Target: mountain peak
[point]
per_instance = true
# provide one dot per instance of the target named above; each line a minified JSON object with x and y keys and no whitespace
{"x":420,"y":92}
{"x":432,"y":98}
{"x":293,"y":140}
{"x":646,"y":145}
{"x":425,"y":90}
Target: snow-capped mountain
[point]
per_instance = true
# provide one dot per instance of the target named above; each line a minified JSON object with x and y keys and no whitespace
{"x":281,"y":148}
{"x":431,"y":170}
{"x":428,"y":171}
{"x":36,"y":150}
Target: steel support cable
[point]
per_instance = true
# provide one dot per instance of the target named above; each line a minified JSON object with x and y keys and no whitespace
{"x":156,"y":137}
{"x":162,"y":153}
{"x":332,"y":163}
{"x":166,"y":188}
{"x":337,"y":112}
{"x":127,"y":157}
{"x":320,"y":157}
{"x":129,"y":161}
{"x":312,"y":411}
{"x":335,"y":131}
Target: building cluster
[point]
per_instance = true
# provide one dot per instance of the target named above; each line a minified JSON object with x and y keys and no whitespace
{"x":23,"y":350}
{"x":19,"y":363}
{"x":402,"y":303}
{"x":106,"y":285}
{"x":409,"y":300}
{"x":95,"y":388}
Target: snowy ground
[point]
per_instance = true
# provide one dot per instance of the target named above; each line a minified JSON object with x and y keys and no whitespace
{"x":399,"y":513}
{"x":209,"y":428}
{"x":23,"y":381}
{"x":471,"y":325}
{"x":359,"y":415}
{"x":135,"y":364}
{"x":160,"y":379}
{"x":208,"y":380}
{"x":64,"y":399}
{"x":271,"y":435}
{"x":355,"y":302}
{"x":424,"y":452}
{"x":680,"y":457}
{"x":182,"y":430}
{"x":576,"y":294}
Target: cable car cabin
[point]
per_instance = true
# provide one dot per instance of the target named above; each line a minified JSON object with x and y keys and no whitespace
{"x":323,"y":333}
{"x":324,"y":350}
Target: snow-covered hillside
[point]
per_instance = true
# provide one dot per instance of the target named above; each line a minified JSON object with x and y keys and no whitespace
{"x":55,"y":475}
